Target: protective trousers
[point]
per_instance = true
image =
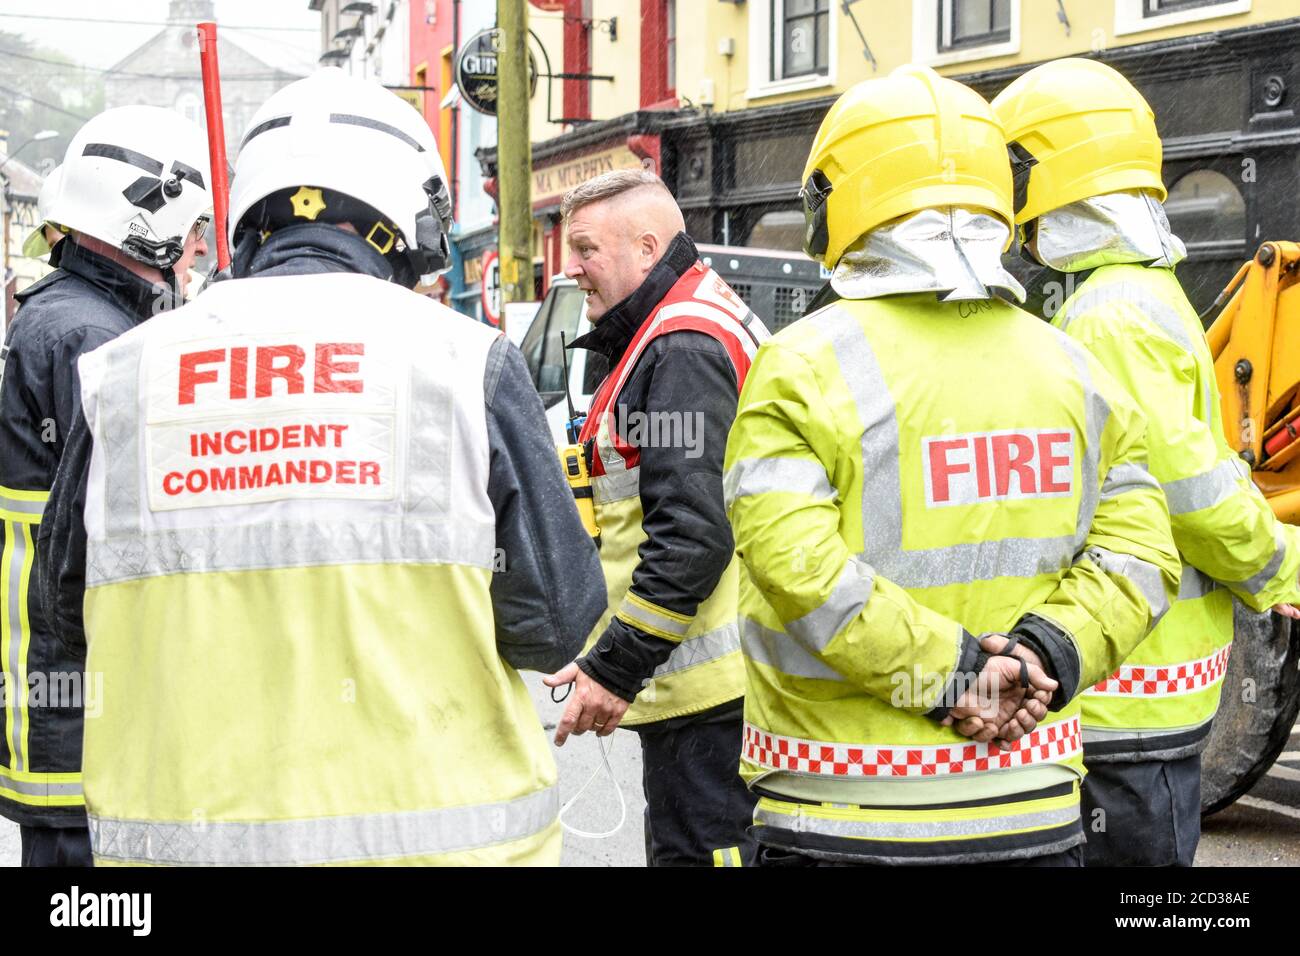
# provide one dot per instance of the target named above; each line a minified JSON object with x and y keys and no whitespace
{"x":56,"y":846}
{"x":698,"y":809}
{"x":1142,"y":814}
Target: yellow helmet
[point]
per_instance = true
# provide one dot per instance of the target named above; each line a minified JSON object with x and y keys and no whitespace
{"x":1077,"y":128}
{"x":893,"y":146}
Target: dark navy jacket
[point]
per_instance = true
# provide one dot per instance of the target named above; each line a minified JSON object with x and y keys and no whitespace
{"x":85,"y":303}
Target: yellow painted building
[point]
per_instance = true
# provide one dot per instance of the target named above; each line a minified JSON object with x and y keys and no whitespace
{"x":1222,"y":75}
{"x":764,"y":52}
{"x":722,"y":98}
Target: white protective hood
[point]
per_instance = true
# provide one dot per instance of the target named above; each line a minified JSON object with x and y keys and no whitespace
{"x":1107,"y":230}
{"x":954,"y":252}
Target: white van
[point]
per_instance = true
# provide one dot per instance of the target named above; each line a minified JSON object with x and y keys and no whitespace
{"x":776,"y":285}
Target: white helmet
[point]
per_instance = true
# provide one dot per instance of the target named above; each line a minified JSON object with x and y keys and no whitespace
{"x":333,"y":132}
{"x":135,"y":177}
{"x":36,"y":246}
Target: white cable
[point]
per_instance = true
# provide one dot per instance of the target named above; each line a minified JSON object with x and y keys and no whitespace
{"x":622,"y":803}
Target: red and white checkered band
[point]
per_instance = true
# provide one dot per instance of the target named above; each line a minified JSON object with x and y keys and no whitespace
{"x":1048,"y":743}
{"x":1164,"y":680}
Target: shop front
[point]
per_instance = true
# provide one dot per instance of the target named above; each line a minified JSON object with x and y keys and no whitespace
{"x":631,"y":141}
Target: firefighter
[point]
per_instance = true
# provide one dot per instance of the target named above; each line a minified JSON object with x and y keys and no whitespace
{"x":133,"y":198}
{"x":1087,"y":157}
{"x":324,"y":526}
{"x":665,"y":660}
{"x":944,"y":521}
{"x":43,"y":241}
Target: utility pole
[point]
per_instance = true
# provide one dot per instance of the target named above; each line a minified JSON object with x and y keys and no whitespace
{"x":514,"y":158}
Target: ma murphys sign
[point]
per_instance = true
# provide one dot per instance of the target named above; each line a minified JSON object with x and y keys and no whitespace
{"x":476,"y":71}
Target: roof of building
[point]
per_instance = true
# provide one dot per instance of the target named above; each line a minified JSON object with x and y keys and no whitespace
{"x":276,"y":56}
{"x":23,"y":181}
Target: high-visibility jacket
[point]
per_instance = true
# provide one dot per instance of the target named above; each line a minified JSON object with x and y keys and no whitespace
{"x":705,"y":669}
{"x":1160,"y":703}
{"x":903,"y":474}
{"x":290,"y":545}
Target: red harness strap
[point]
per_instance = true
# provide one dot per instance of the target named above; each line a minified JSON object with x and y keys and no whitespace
{"x":698,"y":302}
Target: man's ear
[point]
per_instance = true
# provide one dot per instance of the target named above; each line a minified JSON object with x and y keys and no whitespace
{"x":651,"y":248}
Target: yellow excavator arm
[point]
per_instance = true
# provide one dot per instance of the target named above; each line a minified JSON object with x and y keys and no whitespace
{"x":1255,"y":342}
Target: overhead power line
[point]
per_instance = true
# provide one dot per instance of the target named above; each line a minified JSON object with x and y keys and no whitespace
{"x":145,"y":23}
{"x":48,"y":105}
{"x":246,"y":77}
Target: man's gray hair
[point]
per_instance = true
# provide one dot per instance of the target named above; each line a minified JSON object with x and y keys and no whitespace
{"x":607,"y":186}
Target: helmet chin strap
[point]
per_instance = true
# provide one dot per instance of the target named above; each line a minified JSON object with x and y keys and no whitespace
{"x":165,"y":276}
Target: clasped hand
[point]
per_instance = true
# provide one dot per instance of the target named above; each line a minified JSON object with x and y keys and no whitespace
{"x":997,"y":707}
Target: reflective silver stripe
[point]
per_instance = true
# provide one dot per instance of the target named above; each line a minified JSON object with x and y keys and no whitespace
{"x":701,"y":649}
{"x":1144,"y":575}
{"x":635,"y":613}
{"x":1202,"y":491}
{"x":18,"y":506}
{"x":616,"y":487}
{"x":379,"y":836}
{"x":117,"y":437}
{"x":433,"y":443}
{"x":1257,"y":582}
{"x":1193,"y":584}
{"x":780,"y":651}
{"x":851,"y":592}
{"x":1122,"y":479}
{"x":882,"y":505}
{"x":15,"y":671}
{"x":261,"y":546}
{"x":766,"y":815}
{"x":882,"y":508}
{"x":1096,"y":412}
{"x":610,"y":459}
{"x":1160,"y":313}
{"x":36,"y":788}
{"x":759,"y":476}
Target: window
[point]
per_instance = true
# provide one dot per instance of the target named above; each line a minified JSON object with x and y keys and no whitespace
{"x":791,"y":46}
{"x":670,"y":42}
{"x":1154,"y":8}
{"x":577,"y":59}
{"x":967,"y":23}
{"x":948,"y":32}
{"x":800,"y":38}
{"x":658,"y":52}
{"x":543,"y":354}
{"x":189,"y":106}
{"x":779,"y":229}
{"x":1136,"y":16}
{"x":1207,"y":212}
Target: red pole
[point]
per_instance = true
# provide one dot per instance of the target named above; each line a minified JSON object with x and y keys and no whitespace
{"x":216,"y":139}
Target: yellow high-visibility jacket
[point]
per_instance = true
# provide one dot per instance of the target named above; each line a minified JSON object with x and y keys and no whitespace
{"x":1160,"y":704}
{"x":291,"y":545}
{"x":904,"y":474}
